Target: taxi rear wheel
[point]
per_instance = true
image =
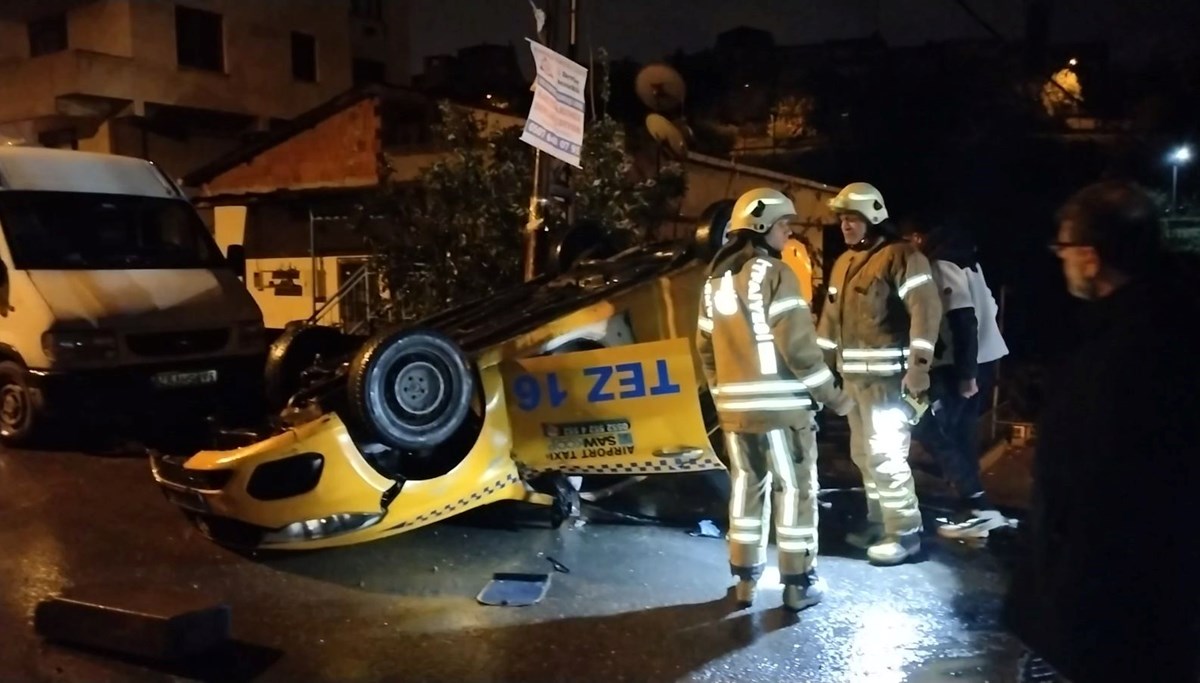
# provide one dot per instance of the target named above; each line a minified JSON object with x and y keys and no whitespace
{"x":710,"y":231}
{"x":584,"y":240}
{"x":411,"y":389}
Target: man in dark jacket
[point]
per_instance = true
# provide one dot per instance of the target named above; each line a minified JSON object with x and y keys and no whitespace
{"x":1107,"y":590}
{"x":967,"y":350}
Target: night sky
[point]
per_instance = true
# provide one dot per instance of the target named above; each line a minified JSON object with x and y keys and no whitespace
{"x":649,"y":29}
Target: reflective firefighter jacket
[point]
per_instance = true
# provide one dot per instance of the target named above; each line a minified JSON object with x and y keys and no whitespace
{"x":882,"y":311}
{"x":758,"y":344}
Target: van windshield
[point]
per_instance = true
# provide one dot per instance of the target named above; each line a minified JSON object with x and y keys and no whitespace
{"x":83,"y":231}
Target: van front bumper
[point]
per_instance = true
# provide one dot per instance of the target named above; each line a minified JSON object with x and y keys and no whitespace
{"x":191,"y":388}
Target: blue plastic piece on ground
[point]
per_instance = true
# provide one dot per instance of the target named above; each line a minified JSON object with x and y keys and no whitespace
{"x":707,"y":529}
{"x":514,"y":590}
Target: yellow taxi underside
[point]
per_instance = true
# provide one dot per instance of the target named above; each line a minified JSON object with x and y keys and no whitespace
{"x":645,"y":419}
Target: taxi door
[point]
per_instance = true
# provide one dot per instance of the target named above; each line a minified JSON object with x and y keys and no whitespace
{"x":631,"y":409}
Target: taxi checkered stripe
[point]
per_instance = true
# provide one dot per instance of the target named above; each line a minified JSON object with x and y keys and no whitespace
{"x":450,"y":508}
{"x":645,"y":466}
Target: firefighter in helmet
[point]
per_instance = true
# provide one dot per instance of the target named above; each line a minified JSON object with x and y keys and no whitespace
{"x":767,"y":377}
{"x":880,"y":323}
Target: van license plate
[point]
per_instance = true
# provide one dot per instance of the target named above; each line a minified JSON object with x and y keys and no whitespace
{"x":171,"y":380}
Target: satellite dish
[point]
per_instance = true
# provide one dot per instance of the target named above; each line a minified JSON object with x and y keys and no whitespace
{"x":660,"y":87}
{"x":667,"y":134}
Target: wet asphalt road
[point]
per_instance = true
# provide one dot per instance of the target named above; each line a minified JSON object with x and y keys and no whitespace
{"x":641,"y":603}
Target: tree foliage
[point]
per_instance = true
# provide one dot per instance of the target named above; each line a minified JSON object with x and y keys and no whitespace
{"x":455,"y":234}
{"x":1062,"y":94}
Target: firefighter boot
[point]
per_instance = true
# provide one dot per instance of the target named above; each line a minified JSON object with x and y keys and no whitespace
{"x":895,"y":548}
{"x":866,"y":536}
{"x":805,"y":594}
{"x":745,"y":592}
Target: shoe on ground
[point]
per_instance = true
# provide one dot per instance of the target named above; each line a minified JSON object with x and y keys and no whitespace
{"x":866,"y":536}
{"x":976,"y":526}
{"x":801,"y":596}
{"x":745,"y":592}
{"x":895,"y":549}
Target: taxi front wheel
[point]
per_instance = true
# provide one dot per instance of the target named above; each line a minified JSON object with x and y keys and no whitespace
{"x":411,"y":389}
{"x":294,"y":352}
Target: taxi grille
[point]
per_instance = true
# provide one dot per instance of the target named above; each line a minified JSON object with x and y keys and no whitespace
{"x":171,"y":468}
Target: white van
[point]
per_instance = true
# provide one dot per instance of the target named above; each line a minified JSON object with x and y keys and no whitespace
{"x":114,"y":299}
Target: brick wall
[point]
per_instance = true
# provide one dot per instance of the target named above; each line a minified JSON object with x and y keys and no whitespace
{"x":341,"y":151}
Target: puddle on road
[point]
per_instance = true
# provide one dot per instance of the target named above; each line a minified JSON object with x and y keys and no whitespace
{"x":994,"y":660}
{"x":975,"y":669}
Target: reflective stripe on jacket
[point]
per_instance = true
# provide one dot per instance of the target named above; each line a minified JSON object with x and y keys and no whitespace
{"x":882,"y":311}
{"x":757,"y":342}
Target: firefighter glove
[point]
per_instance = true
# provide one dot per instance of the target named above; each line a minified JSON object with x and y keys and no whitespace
{"x":843,"y":404}
{"x":916,"y":380}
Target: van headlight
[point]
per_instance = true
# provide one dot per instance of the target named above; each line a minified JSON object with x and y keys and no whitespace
{"x":80,"y":345}
{"x":251,"y":335}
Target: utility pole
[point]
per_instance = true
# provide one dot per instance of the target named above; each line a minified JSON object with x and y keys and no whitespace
{"x":544,"y":164}
{"x":538,"y":198}
{"x":573,"y":54}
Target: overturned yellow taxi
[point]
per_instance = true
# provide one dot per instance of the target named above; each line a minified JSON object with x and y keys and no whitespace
{"x":589,"y":372}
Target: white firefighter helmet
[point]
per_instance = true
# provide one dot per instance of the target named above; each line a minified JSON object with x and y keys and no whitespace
{"x":759,"y":209}
{"x":861,"y":198}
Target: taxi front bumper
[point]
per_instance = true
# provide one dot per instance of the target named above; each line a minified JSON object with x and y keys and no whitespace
{"x":308,"y":484}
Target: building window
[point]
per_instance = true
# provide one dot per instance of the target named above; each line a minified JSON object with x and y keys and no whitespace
{"x":47,"y":36}
{"x":371,"y":10}
{"x":199,"y":39}
{"x":369,"y":71}
{"x":304,"y":57}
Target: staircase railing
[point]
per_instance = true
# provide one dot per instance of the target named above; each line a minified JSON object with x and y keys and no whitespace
{"x":359,"y":278}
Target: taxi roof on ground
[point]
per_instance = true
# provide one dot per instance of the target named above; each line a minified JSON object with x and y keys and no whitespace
{"x":54,"y":170}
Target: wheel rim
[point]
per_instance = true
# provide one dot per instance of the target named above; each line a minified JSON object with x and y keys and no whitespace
{"x":419,"y":388}
{"x":14,"y":407}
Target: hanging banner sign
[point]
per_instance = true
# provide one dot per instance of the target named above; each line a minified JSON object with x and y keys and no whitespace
{"x":555,"y":122}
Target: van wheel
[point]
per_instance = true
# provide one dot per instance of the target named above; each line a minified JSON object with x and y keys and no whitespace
{"x":411,"y":389}
{"x":19,"y":418}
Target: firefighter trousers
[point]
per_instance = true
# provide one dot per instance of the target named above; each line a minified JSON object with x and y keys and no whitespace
{"x":879,"y":439}
{"x":785,"y":461}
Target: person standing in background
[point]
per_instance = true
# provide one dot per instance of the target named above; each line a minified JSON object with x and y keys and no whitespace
{"x":969,"y":345}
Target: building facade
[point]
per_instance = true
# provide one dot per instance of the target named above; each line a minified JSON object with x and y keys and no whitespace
{"x":182,"y":82}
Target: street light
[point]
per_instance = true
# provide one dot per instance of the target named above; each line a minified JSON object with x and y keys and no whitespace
{"x":1180,"y":156}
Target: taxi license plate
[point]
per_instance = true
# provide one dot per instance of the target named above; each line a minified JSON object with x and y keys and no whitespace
{"x":187,"y":499}
{"x":172,"y":380}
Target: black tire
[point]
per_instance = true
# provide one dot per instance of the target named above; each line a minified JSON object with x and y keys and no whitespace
{"x":710,"y":231}
{"x":583,"y":240}
{"x":291,"y":354}
{"x":20,"y":419}
{"x":410,"y":389}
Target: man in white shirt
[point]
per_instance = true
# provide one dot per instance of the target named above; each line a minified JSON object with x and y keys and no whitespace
{"x":968,"y":348}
